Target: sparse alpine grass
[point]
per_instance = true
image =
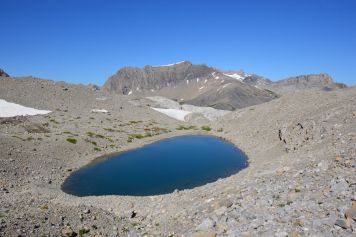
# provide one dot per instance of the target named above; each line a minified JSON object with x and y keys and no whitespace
{"x":206,"y":128}
{"x":72,"y":140}
{"x":182,"y":127}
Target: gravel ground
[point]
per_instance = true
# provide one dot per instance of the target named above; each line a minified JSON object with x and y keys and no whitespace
{"x":301,"y":180}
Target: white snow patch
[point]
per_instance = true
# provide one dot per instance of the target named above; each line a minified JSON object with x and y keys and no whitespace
{"x":137,"y":88}
{"x":206,"y":80}
{"x":152,"y":90}
{"x":235,"y":76}
{"x":216,"y":77}
{"x":99,"y":111}
{"x":130,"y":92}
{"x":201,"y":88}
{"x":187,"y":82}
{"x":169,"y":65}
{"x":197,"y":79}
{"x":8,"y":109}
{"x":173,"y":113}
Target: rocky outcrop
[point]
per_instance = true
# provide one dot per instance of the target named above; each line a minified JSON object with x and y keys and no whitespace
{"x":256,"y":80}
{"x":3,"y":73}
{"x":305,"y":82}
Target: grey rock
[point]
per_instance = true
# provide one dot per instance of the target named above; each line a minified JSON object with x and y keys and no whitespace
{"x":206,"y":225}
{"x":343,"y":223}
{"x":339,"y":185}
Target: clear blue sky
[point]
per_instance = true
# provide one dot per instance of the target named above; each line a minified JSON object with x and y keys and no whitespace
{"x":87,"y":41}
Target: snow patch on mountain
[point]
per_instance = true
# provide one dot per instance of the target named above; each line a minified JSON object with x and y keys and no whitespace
{"x":173,"y":113}
{"x":169,"y":65}
{"x":8,"y":109}
{"x":235,"y":76}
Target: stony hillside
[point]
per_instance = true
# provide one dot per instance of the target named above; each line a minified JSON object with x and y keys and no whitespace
{"x":3,"y":73}
{"x":300,"y":180}
{"x":233,"y":95}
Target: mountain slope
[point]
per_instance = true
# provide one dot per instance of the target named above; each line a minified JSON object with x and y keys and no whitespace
{"x":233,"y":95}
{"x":3,"y":73}
{"x":154,"y":77}
{"x":189,"y":83}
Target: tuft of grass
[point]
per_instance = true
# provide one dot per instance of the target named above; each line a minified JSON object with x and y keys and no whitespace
{"x":134,"y":122}
{"x":83,"y":231}
{"x":54,"y":121}
{"x":72,"y":140}
{"x":220,"y":130}
{"x":89,"y":141}
{"x":70,"y":133}
{"x":23,"y":139}
{"x":97,"y":149}
{"x":206,"y":128}
{"x":44,"y":207}
{"x":109,"y":129}
{"x":182,"y":127}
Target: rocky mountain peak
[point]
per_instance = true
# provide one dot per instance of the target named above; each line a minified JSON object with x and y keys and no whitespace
{"x":3,"y":73}
{"x":130,"y":79}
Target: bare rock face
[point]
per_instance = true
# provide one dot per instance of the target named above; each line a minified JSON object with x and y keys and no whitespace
{"x":154,"y":77}
{"x":305,"y":82}
{"x":3,"y":73}
{"x":256,"y":80}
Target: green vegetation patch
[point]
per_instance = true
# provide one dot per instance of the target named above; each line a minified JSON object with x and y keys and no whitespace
{"x":54,"y":121}
{"x":206,"y":128}
{"x":182,"y":127}
{"x":72,"y":140}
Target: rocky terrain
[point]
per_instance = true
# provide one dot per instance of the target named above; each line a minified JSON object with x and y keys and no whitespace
{"x":185,"y":82}
{"x":301,"y":179}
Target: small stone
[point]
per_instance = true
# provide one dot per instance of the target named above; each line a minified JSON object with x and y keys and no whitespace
{"x":86,"y":211}
{"x":68,"y":232}
{"x":206,"y":225}
{"x":204,"y":234}
{"x":345,"y":224}
{"x":339,"y":185}
{"x":351,"y":213}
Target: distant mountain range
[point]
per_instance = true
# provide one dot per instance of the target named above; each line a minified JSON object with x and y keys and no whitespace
{"x":202,"y":85}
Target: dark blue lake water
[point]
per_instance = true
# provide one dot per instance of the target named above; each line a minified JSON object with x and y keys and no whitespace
{"x":177,"y":163}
